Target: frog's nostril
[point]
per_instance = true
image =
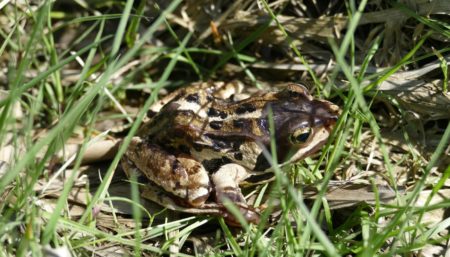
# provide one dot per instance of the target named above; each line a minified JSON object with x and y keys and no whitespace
{"x":331,"y":120}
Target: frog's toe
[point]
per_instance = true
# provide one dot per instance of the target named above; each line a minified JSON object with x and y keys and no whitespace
{"x":249,"y":214}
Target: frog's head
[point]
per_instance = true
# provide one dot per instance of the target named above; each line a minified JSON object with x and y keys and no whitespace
{"x":302,"y":123}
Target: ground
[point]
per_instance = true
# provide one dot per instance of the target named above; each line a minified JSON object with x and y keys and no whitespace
{"x":76,"y":77}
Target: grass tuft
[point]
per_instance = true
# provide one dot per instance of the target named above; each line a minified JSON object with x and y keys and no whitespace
{"x":76,"y":75}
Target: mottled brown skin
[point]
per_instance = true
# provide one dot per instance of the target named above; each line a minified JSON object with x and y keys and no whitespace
{"x":201,"y":141}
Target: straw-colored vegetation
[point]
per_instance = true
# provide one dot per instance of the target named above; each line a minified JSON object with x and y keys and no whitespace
{"x":77,"y":76}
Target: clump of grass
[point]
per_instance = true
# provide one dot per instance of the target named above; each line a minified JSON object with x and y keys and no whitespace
{"x":68,"y":76}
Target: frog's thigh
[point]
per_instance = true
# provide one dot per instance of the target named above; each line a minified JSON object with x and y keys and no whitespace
{"x":226,"y":182}
{"x":182,"y":176}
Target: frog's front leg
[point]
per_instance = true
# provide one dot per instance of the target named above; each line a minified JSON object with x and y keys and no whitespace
{"x":226,"y":184}
{"x":180,"y":175}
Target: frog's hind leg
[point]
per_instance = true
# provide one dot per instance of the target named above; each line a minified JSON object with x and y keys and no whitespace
{"x":181,"y":176}
{"x":226,"y":184}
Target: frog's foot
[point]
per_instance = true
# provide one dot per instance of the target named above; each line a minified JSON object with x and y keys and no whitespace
{"x":226,"y":183}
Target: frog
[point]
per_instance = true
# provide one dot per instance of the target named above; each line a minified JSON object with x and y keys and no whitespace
{"x":205,"y":141}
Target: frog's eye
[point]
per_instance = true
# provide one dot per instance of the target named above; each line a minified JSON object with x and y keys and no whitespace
{"x":301,"y":136}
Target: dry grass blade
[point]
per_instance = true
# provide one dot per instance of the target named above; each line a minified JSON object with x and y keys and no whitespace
{"x":73,"y":70}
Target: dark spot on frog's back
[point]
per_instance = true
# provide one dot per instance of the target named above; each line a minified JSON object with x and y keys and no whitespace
{"x":193,"y":98}
{"x":245,"y":108}
{"x":212,"y":112}
{"x":217,"y":124}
